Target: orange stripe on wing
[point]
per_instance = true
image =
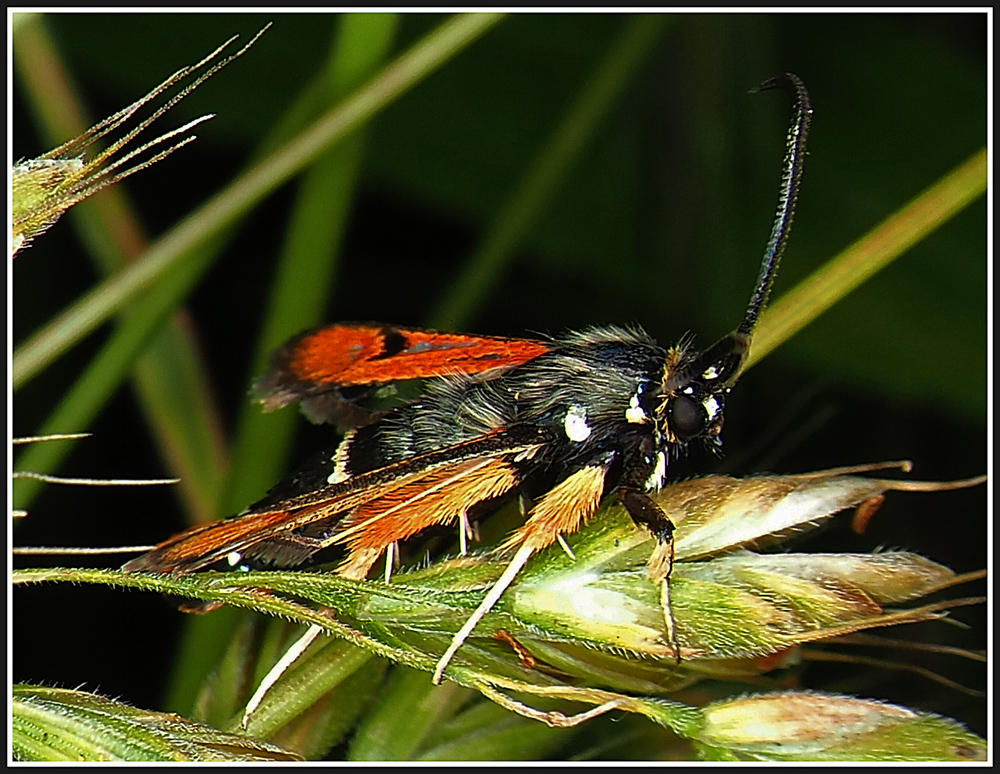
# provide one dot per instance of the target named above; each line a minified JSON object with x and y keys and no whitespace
{"x":440,"y":497}
{"x":288,"y":531}
{"x":354,"y":355}
{"x":206,"y":544}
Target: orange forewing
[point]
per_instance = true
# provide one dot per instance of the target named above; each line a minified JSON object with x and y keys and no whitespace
{"x":352,"y":355}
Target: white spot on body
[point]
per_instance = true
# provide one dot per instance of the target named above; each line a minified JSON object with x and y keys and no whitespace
{"x":710,"y":373}
{"x":575,"y":425}
{"x":711,"y":407}
{"x":659,"y":474}
{"x":634,"y":412}
{"x":233,"y":558}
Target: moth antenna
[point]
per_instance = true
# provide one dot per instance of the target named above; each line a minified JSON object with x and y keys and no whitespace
{"x":795,"y":154}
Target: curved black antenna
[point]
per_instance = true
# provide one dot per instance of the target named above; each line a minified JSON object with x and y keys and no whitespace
{"x":795,"y":154}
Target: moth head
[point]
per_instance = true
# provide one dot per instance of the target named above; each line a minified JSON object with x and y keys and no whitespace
{"x":695,"y":386}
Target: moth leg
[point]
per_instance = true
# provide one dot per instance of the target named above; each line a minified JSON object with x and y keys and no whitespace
{"x":561,"y":510}
{"x":646,"y":513}
{"x":520,"y":559}
{"x":565,"y":546}
{"x":291,"y":655}
{"x":464,"y":532}
{"x":391,"y":559}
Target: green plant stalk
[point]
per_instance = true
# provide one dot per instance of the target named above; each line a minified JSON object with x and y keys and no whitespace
{"x":869,"y":255}
{"x":724,"y":608}
{"x":97,"y":306}
{"x":528,"y":201}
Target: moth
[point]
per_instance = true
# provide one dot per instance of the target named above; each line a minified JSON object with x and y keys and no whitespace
{"x":567,"y":422}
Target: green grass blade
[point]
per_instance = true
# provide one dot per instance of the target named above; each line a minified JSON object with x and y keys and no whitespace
{"x":392,"y":731}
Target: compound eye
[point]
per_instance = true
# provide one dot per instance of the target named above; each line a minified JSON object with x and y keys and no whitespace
{"x":687,"y":417}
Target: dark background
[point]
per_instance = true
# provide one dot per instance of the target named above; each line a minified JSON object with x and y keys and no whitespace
{"x":662,"y":222}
